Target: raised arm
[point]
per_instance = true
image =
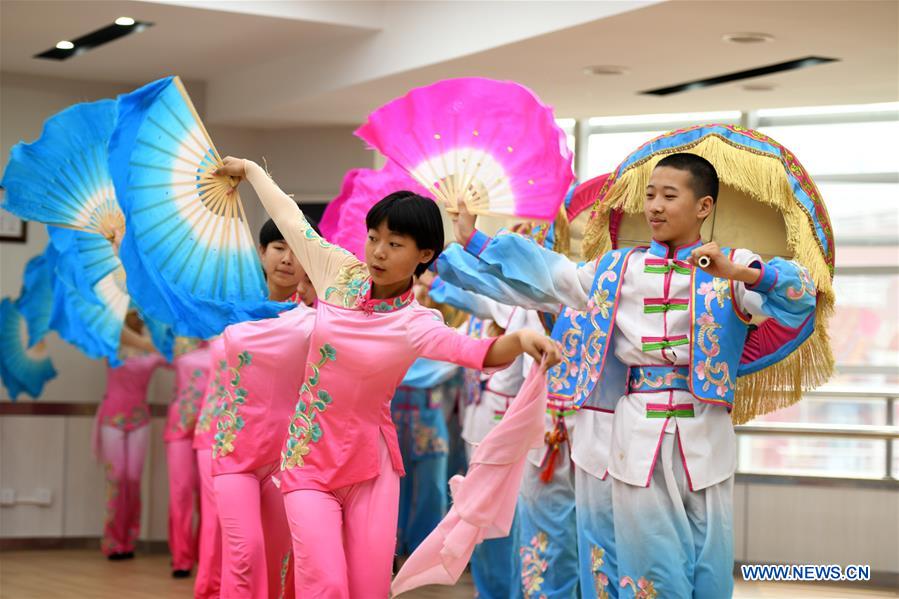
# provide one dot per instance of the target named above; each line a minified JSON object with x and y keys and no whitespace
{"x":474,"y":303}
{"x":434,"y":340}
{"x":786,"y":289}
{"x":321,"y":260}
{"x":517,"y":284}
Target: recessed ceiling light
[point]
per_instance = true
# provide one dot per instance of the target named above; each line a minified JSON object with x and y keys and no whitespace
{"x":123,"y":26}
{"x":761,"y":71}
{"x":758,"y":87}
{"x":606,"y":70}
{"x":747,"y":38}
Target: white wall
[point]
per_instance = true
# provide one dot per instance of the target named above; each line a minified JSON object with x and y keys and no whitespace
{"x":816,"y":524}
{"x":53,"y":452}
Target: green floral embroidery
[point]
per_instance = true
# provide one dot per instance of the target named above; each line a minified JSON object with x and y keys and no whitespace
{"x":138,"y":416}
{"x":391,"y":305}
{"x":230,"y":422}
{"x":351,"y":285}
{"x":188,"y":403}
{"x":108,"y":544}
{"x":211,"y":404}
{"x":310,"y":234}
{"x":533,"y":566}
{"x":303,"y":429}
{"x":285,"y":564}
{"x":351,"y":290}
{"x":600,"y":580}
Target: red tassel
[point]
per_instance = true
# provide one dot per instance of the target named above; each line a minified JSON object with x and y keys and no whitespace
{"x":554,"y":441}
{"x":547,"y":474}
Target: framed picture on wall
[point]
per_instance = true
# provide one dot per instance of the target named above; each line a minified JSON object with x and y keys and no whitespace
{"x":12,"y":228}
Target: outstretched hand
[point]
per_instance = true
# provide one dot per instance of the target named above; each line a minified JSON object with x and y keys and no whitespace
{"x":463,"y":222}
{"x":541,"y":348}
{"x":721,"y":266}
{"x":232,"y":167}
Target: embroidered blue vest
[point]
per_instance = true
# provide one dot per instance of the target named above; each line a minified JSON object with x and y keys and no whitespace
{"x":717,"y":335}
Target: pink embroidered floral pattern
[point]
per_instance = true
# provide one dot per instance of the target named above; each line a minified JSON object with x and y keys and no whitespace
{"x":600,"y":580}
{"x":712,"y":372}
{"x":534,"y":565}
{"x":427,"y":440}
{"x":808,"y":286}
{"x":642,"y":589}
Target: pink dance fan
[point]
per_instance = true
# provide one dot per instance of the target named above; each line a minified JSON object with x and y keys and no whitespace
{"x":343,"y":222}
{"x":490,"y":143}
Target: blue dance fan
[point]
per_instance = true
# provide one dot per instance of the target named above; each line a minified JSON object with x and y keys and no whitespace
{"x":189,"y":253}
{"x":35,"y":302}
{"x":94,"y":323}
{"x":21,"y":368}
{"x":62,"y":179}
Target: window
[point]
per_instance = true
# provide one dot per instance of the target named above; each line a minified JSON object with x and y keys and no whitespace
{"x":841,"y":147}
{"x":568,"y":126}
{"x":613,"y":138}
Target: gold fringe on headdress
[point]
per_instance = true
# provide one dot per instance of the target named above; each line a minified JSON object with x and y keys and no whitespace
{"x":761,"y":177}
{"x":562,"y":233}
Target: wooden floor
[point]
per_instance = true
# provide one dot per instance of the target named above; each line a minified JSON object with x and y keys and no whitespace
{"x":83,"y":574}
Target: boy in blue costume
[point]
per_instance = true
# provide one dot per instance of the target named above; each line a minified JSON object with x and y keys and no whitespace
{"x":660,"y":332}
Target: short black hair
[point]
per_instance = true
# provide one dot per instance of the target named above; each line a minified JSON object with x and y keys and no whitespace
{"x":270,"y":233}
{"x":703,"y":176}
{"x":408,"y":213}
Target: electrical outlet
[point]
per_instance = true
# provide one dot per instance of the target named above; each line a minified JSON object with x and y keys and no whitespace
{"x":43,"y":497}
{"x":7,"y":497}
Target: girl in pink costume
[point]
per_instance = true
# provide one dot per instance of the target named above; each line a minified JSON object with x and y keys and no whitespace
{"x":257,"y":403}
{"x":340,"y":465}
{"x":209,"y":561}
{"x":121,"y":437}
{"x":191,"y":374}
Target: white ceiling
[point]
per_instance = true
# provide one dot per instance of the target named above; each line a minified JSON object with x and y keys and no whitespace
{"x":279,"y":63}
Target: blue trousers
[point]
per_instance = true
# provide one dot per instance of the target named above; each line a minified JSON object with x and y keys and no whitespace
{"x":548,"y":524}
{"x":424,"y":442}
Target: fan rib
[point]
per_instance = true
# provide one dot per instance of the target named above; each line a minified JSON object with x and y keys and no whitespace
{"x":172,"y":200}
{"x":223,"y":257}
{"x":201,"y":238}
{"x":190,"y":105}
{"x":69,"y":187}
{"x":237,"y":234}
{"x":153,"y":146}
{"x":199,"y":154}
{"x":75,"y":178}
{"x":192,"y":183}
{"x":436,"y":186}
{"x":183,"y":126}
{"x":188,"y":219}
{"x":164,"y":169}
{"x":218,"y":220}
